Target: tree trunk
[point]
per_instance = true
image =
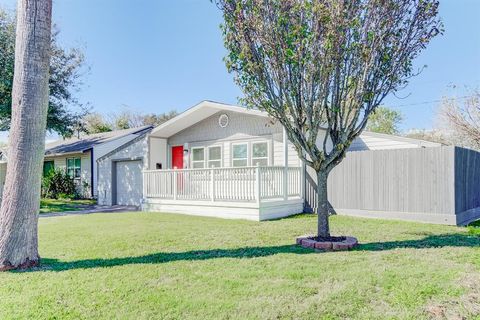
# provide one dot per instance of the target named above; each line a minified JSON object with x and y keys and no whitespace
{"x":322,"y":205}
{"x":21,"y":201}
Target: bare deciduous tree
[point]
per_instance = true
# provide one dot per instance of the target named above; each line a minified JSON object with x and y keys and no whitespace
{"x":21,"y":201}
{"x":324,"y":65}
{"x":462,"y":120}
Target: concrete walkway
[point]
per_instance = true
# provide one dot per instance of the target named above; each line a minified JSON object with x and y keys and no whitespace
{"x":93,"y":209}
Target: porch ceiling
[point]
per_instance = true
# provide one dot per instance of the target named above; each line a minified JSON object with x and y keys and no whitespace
{"x":195,"y":114}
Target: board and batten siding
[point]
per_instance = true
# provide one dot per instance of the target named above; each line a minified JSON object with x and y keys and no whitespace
{"x":136,"y":150}
{"x":439,"y":185}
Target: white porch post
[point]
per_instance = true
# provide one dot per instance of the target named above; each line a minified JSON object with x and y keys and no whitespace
{"x":212,"y":184}
{"x":285,"y":164}
{"x":257,"y":185}
{"x":175,"y":176}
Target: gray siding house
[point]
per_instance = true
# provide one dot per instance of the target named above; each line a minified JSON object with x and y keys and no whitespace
{"x":227,"y":161}
{"x":78,"y":156}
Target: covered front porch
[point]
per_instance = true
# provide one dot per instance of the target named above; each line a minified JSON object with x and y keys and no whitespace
{"x":253,"y":193}
{"x":223,"y":161}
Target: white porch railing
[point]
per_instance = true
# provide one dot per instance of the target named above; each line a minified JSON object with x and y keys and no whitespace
{"x":224,"y":184}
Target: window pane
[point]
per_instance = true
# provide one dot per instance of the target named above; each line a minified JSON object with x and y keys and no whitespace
{"x":260,"y":150}
{"x":240,"y":163}
{"x":70,"y":163}
{"x":77,"y":173}
{"x":214,"y":153}
{"x":198,"y":154}
{"x":198,"y":165}
{"x":77,"y":162}
{"x":48,"y":166}
{"x":240,"y":151}
{"x":214,"y":164}
{"x":260,"y":162}
{"x":70,"y":172}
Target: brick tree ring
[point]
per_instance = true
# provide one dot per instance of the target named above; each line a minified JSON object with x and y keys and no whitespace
{"x":309,"y":241}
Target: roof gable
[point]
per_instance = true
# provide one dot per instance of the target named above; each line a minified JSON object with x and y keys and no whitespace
{"x":89,"y":141}
{"x":197,"y":113}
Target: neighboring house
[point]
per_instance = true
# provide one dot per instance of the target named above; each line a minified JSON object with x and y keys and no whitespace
{"x":227,"y":161}
{"x":78,"y":156}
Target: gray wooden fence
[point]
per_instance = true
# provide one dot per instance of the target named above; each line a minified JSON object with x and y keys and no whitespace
{"x":440,"y":185}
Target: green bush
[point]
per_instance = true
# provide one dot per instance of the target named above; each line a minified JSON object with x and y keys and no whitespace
{"x":474,"y":228}
{"x":57,"y":184}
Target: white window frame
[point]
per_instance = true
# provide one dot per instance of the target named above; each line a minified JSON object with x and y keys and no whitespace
{"x":74,"y":167}
{"x":248,"y":153}
{"x":198,"y":161}
{"x":252,"y":158}
{"x":216,"y":160}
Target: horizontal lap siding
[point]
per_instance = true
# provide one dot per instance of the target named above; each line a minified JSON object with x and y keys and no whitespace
{"x":60,"y":163}
{"x":416,"y":180}
{"x":368,"y":142}
{"x":136,"y":150}
{"x":241,"y":127}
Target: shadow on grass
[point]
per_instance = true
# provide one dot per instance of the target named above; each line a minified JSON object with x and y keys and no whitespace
{"x":48,"y":264}
{"x":432,"y":241}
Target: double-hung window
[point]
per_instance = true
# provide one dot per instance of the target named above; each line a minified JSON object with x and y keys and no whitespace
{"x":74,"y":168}
{"x":198,"y":158}
{"x":214,"y":157}
{"x":240,"y":155}
{"x":260,"y":153}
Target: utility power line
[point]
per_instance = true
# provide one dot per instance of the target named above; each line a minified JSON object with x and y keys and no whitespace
{"x":427,"y":102}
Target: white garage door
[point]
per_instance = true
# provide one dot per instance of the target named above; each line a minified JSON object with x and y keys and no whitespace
{"x":129,"y":183}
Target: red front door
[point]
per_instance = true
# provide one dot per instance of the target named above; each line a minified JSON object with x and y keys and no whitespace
{"x":177,"y":157}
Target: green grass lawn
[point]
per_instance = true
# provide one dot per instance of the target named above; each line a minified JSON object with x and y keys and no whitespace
{"x":165,"y":266}
{"x":62,"y":205}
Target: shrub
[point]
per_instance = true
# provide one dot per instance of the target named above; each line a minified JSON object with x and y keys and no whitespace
{"x":57,"y":184}
{"x":474,"y":228}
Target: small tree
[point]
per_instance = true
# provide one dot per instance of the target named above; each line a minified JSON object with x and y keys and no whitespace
{"x":324,"y":65}
{"x":384,"y":120}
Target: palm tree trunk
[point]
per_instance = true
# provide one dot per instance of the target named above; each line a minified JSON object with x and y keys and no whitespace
{"x":21,"y":201}
{"x":322,"y":205}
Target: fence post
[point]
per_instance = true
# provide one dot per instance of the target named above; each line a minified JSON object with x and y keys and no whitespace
{"x":257,"y":185}
{"x":285,"y":183}
{"x":212,"y":184}
{"x":175,"y":185}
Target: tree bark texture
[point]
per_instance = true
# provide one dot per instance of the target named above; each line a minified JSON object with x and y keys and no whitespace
{"x":21,"y":201}
{"x":322,"y":205}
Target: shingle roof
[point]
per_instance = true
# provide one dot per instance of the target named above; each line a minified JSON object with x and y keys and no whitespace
{"x":88,"y":141}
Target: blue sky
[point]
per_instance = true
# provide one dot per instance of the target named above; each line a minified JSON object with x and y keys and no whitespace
{"x":159,"y":55}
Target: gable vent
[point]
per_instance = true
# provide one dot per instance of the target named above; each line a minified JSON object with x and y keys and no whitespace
{"x":223,"y":120}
